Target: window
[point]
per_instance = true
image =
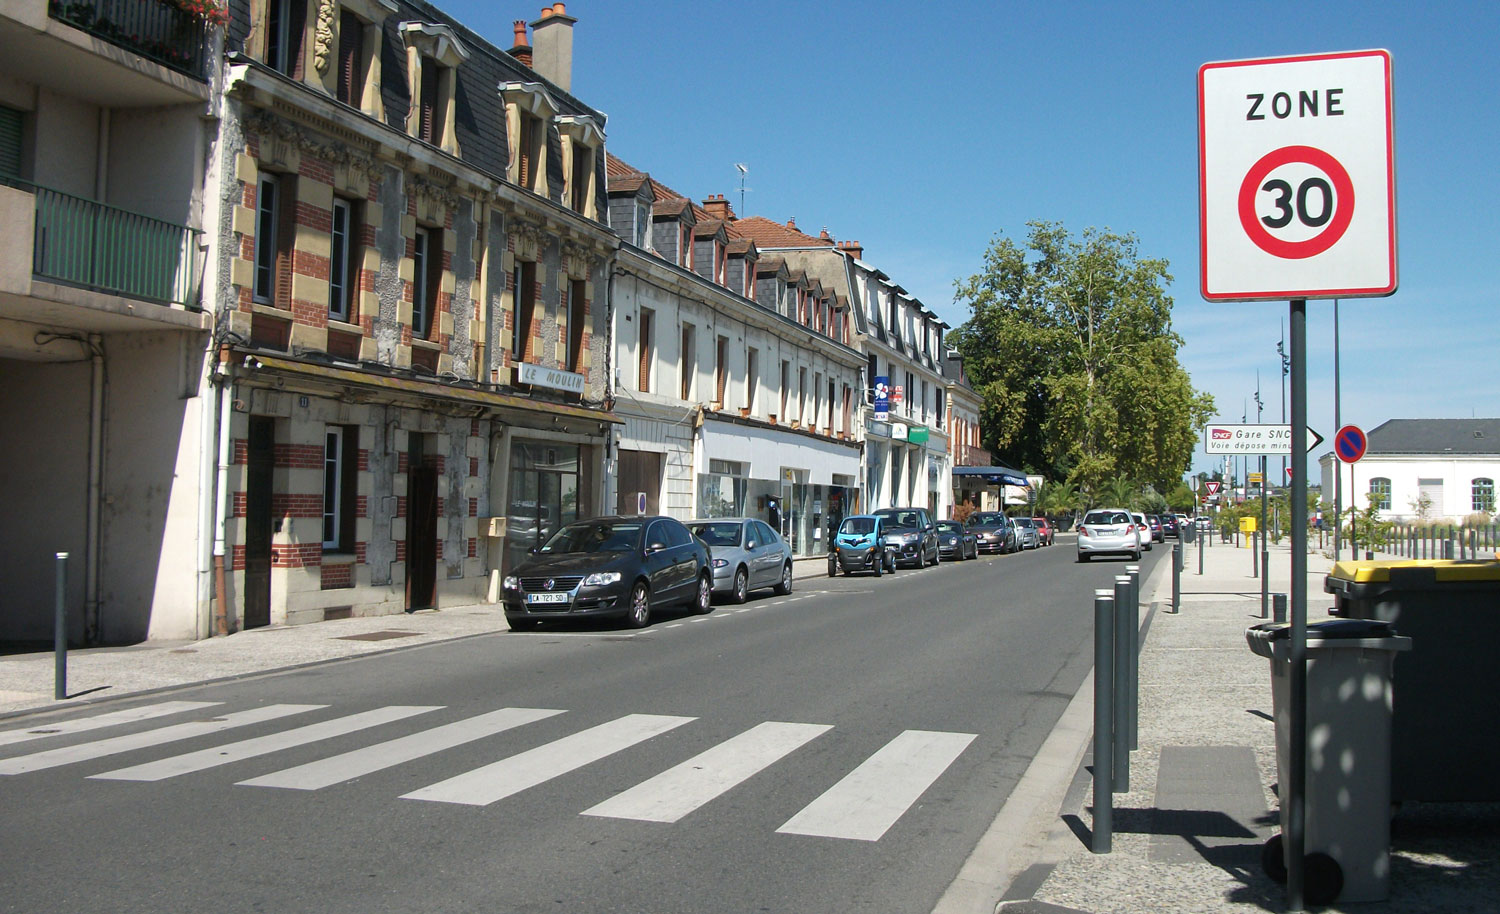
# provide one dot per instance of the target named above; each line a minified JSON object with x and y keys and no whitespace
{"x":871,"y":370}
{"x":351,"y":75}
{"x":430,"y":120}
{"x":924,"y":400}
{"x":12,"y":127}
{"x":688,"y":361}
{"x":1483,"y":491}
{"x":340,"y":487}
{"x":895,"y":325}
{"x":817,"y":405}
{"x":786,"y":385}
{"x":647,"y":352}
{"x":426,"y":280}
{"x":523,"y":300}
{"x":582,"y":178}
{"x":530,"y":151}
{"x":685,"y":247}
{"x":433,"y":55}
{"x":721,"y":369}
{"x":941,"y":413}
{"x":1380,"y":493}
{"x":275,"y":235}
{"x":752,"y":378}
{"x":802,"y":395}
{"x":847,"y":417}
{"x":831,"y":390}
{"x":910,"y":392}
{"x":343,"y":262}
{"x":285,"y":21}
{"x":642,"y":223}
{"x":577,"y":320}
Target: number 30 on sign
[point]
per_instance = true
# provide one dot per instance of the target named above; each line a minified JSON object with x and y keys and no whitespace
{"x":1297,"y":187}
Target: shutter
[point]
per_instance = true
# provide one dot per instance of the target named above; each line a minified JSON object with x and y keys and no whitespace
{"x":286,"y":238}
{"x":10,"y":141}
{"x":523,"y":144}
{"x":295,"y":28}
{"x":577,"y":318}
{"x":643,"y":381}
{"x":351,"y":53}
{"x":429,"y":93}
{"x":721,"y":370}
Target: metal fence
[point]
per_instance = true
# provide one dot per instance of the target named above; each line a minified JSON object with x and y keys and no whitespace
{"x":82,"y":242}
{"x":157,"y":30}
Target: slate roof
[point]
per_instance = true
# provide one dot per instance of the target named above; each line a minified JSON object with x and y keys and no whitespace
{"x":1436,"y":436}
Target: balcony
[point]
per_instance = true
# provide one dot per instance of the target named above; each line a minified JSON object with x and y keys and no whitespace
{"x":973,"y":456}
{"x":89,"y":245}
{"x":155,"y":29}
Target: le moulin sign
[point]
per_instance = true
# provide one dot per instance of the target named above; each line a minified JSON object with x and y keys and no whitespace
{"x":1270,"y":440}
{"x":551,"y":377}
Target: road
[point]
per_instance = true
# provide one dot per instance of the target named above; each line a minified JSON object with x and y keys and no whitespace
{"x":841,"y":749}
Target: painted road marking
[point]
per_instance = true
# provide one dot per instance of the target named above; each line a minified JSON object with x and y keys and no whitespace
{"x":678,"y":791}
{"x":214,"y":756}
{"x":112,"y":719}
{"x":870,"y":799}
{"x":360,"y":762}
{"x":67,"y":755}
{"x":496,"y":781}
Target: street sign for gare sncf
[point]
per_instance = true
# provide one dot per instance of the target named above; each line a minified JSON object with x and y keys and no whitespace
{"x":1297,"y":177}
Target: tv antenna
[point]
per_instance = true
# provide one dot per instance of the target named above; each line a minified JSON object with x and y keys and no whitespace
{"x":744,"y":170}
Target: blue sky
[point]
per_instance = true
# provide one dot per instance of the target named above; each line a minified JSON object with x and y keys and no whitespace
{"x":922,"y":130}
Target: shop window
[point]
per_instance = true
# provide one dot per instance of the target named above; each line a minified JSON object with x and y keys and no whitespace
{"x":340,"y":487}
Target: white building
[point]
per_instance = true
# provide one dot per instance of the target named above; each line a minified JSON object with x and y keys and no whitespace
{"x":733,"y":374}
{"x":1452,"y":462}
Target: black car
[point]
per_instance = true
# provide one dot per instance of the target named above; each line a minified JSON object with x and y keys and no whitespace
{"x":610,"y":566}
{"x":955,"y":541}
{"x":1169,"y":526}
{"x":913,"y":535}
{"x":993,"y":532}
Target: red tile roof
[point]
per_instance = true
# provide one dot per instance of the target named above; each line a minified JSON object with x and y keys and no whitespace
{"x":770,"y":234}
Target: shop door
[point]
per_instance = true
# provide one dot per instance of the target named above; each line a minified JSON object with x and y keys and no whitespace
{"x":640,"y":471}
{"x":421,"y":530}
{"x":259,"y":472}
{"x":544,"y":495}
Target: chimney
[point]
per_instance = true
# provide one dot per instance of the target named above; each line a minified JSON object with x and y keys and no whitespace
{"x":792,"y":223}
{"x":854,"y":249}
{"x":824,"y":236}
{"x":553,"y":37}
{"x":521,"y":50}
{"x":718,"y":208}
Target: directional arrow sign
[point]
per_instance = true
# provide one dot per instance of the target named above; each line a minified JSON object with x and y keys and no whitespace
{"x":1270,"y":440}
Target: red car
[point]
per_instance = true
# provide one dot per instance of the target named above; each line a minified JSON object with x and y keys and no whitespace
{"x":1044,"y":530}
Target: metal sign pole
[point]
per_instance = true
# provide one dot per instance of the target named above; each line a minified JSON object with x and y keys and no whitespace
{"x":1297,"y":789}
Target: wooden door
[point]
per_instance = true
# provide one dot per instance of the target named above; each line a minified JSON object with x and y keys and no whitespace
{"x":261,"y":464}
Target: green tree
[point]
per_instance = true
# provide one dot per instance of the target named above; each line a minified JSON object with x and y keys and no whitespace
{"x":1072,"y":349}
{"x":1119,"y":493}
{"x":1054,"y":499}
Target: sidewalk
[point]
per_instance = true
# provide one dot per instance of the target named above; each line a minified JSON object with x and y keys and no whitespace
{"x":1188,"y":835}
{"x":26,"y":680}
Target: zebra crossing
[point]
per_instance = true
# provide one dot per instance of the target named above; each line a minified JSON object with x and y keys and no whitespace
{"x":862,"y":806}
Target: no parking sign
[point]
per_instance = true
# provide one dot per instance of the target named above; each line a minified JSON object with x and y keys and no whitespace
{"x":1297,"y":177}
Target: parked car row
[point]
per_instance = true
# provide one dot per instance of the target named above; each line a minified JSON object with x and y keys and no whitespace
{"x":1117,"y":531}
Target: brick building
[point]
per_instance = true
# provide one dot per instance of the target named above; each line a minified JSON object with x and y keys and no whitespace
{"x":410,"y":263}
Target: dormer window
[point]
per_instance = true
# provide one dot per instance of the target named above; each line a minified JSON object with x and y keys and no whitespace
{"x":581,"y":146}
{"x":433,"y":56}
{"x":685,"y":248}
{"x":528,"y":110}
{"x":355,"y":78}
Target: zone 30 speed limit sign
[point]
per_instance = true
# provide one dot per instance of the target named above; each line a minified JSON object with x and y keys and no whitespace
{"x":1297,"y":177}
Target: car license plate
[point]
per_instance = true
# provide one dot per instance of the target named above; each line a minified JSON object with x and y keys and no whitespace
{"x":546,"y":598}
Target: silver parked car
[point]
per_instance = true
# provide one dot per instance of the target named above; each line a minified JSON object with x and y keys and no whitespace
{"x":1143,"y":527}
{"x":746,"y":554}
{"x":1027,"y":535}
{"x":1108,"y":531}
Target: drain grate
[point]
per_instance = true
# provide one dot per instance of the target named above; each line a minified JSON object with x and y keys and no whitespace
{"x":377,"y":636}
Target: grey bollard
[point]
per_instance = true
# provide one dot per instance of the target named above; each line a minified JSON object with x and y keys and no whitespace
{"x":60,"y":631}
{"x":1176,"y":577}
{"x":1278,"y":604}
{"x":1104,"y":681}
{"x":1122,"y":685}
{"x":1133,"y":682}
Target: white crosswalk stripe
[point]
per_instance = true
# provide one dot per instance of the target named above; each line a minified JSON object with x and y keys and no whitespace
{"x":67,"y":755}
{"x":215,"y":756}
{"x":360,"y":762}
{"x":496,"y":781}
{"x":870,"y":799}
{"x":678,"y":791}
{"x":100,"y":721}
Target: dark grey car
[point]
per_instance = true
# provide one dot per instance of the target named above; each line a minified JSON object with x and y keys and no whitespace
{"x":746,"y":554}
{"x":609,"y":566}
{"x":913,"y":535}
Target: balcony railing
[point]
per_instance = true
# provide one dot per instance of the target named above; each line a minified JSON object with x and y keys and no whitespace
{"x":81,"y":242}
{"x":157,"y":30}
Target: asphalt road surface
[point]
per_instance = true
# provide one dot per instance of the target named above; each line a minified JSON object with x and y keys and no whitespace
{"x":842,"y":749}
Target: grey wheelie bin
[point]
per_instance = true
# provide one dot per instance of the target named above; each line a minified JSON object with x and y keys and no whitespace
{"x":1444,"y":737}
{"x":1348,"y":824}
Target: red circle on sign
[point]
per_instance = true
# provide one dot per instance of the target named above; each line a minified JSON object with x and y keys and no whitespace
{"x":1343,"y":189}
{"x":1350,"y":443}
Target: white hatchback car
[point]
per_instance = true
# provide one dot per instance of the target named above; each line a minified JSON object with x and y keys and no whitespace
{"x":1143,"y":528}
{"x":1109,"y":531}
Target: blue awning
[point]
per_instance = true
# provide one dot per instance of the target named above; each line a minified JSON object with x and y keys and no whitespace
{"x":995,"y":475}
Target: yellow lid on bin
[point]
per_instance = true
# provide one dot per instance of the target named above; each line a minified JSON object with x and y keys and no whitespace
{"x":1443,"y":570}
